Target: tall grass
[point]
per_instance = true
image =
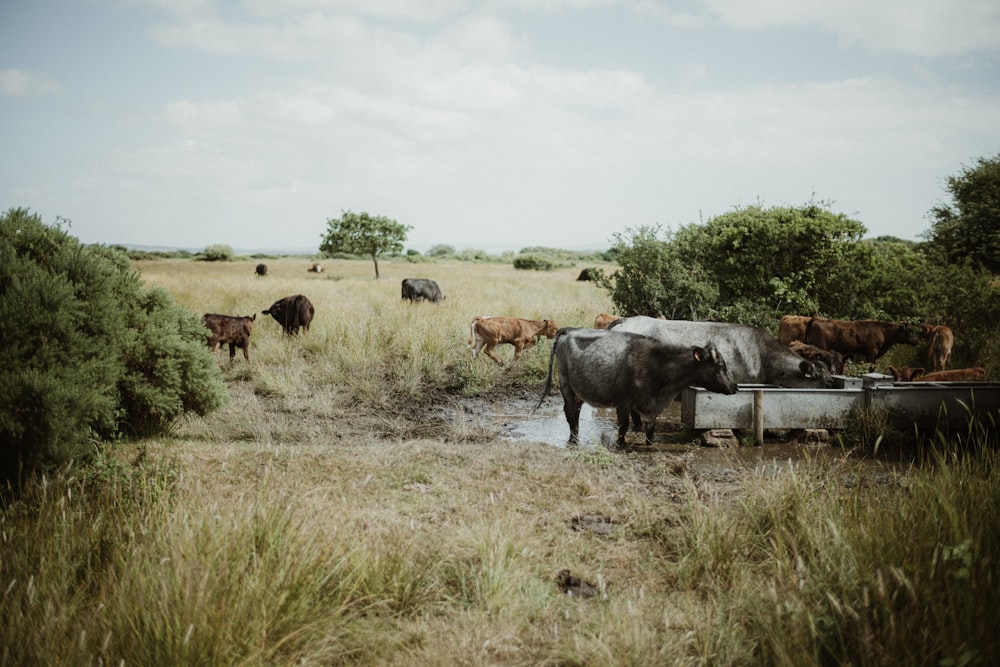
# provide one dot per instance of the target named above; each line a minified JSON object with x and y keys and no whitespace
{"x":335,"y":513}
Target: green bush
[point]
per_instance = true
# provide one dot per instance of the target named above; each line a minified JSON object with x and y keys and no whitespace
{"x":441,"y":250}
{"x":532,"y":263}
{"x":218,"y":253}
{"x":88,"y":355}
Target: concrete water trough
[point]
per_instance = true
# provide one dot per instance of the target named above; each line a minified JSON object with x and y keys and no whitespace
{"x":766,"y":407}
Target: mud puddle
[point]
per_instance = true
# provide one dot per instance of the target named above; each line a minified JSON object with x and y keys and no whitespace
{"x":599,"y":428}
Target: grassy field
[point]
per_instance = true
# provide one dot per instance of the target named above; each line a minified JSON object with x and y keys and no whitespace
{"x":344,"y":508}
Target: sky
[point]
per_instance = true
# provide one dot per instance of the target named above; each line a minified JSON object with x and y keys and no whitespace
{"x":499,"y":124}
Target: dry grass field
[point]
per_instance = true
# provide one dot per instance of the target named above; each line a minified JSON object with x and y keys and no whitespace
{"x":345,"y":508}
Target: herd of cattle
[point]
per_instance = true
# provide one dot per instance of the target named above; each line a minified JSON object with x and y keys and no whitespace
{"x":639,"y":364}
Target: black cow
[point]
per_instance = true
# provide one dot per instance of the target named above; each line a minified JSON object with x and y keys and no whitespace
{"x":230,"y":329}
{"x":754,"y":356}
{"x":588,"y":274}
{"x":291,"y":313}
{"x":636,"y":374}
{"x":261,"y":270}
{"x":417,"y":289}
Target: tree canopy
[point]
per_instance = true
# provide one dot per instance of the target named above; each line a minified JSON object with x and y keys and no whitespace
{"x":969,"y":227}
{"x":364,"y":234}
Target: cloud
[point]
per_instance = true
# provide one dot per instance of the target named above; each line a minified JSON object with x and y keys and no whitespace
{"x":18,"y":83}
{"x":931,"y":28}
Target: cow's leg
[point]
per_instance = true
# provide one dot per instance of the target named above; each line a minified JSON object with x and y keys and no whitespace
{"x":489,"y":352}
{"x":246,"y":351}
{"x":232,"y":351}
{"x":623,"y":419}
{"x":571,"y":406}
{"x":518,"y":349}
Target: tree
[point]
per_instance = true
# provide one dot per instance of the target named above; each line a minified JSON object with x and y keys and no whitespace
{"x":655,"y":279}
{"x":88,"y":354}
{"x":970,"y":226}
{"x":363,"y":234}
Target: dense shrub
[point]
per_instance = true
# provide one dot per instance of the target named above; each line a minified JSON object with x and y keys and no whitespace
{"x":441,"y":250}
{"x":218,"y":253}
{"x":88,"y":355}
{"x":533,"y":263}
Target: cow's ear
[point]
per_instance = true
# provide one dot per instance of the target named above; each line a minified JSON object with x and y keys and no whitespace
{"x":698,"y":353}
{"x":917,"y":372}
{"x":808,"y":369}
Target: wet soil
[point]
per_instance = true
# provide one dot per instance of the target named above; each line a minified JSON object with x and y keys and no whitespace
{"x":516,"y":418}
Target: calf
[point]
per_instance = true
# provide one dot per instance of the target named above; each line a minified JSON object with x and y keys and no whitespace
{"x":868,"y":338}
{"x":635,"y":374}
{"x":420,"y":289}
{"x":488,"y":332}
{"x":834,"y":360}
{"x":907,"y":374}
{"x":230,"y":329}
{"x":315,"y":267}
{"x":292,"y":312}
{"x":261,"y":270}
{"x":940,"y":340}
{"x":603,"y":321}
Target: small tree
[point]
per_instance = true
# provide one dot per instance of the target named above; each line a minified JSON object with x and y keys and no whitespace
{"x":363,"y":234}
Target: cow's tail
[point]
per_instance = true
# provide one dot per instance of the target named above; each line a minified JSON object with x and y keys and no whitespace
{"x":472,"y":333}
{"x":548,"y":378}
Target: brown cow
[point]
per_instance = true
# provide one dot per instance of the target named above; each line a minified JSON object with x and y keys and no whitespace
{"x":291,"y":313}
{"x":230,"y":329}
{"x":940,"y":340}
{"x":603,"y":321}
{"x":315,"y":267}
{"x":834,"y":360}
{"x":869,"y":338}
{"x":907,"y":374}
{"x":792,"y":327}
{"x":488,"y":332}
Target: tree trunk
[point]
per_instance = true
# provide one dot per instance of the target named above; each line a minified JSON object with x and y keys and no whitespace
{"x":375,"y":259}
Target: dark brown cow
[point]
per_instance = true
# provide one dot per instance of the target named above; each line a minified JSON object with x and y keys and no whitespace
{"x":940,"y":340}
{"x":261,"y":271}
{"x":291,"y":313}
{"x":834,"y":360}
{"x":907,"y":374}
{"x":792,"y":327}
{"x":230,"y":329}
{"x":868,"y":338}
{"x":315,"y":267}
{"x":488,"y":332}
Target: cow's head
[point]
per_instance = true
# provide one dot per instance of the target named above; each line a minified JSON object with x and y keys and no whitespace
{"x":549,"y":328}
{"x":905,"y":373}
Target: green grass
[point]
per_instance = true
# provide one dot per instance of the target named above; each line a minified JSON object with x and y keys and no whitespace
{"x":339,"y":511}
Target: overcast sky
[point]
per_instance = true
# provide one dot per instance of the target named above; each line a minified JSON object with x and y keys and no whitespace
{"x":504,"y":123}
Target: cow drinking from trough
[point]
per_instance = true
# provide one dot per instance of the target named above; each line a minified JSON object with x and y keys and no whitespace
{"x":234,"y":330}
{"x":834,"y":360}
{"x":421,"y":289}
{"x":753,"y":355}
{"x":488,"y":332}
{"x":907,"y":374}
{"x":635,"y":374}
{"x":868,"y":338}
{"x":292,"y":312}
